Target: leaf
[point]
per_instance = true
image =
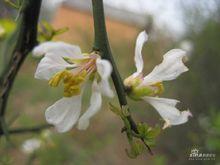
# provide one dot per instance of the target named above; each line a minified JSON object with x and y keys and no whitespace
{"x":137,"y":148}
{"x":143,"y":129}
{"x":8,"y":25}
{"x":154,"y":132}
{"x":61,"y":31}
{"x":47,"y":31}
{"x":150,"y":142}
{"x":115,"y":109}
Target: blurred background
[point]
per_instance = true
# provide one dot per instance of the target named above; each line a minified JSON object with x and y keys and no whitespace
{"x":190,"y":24}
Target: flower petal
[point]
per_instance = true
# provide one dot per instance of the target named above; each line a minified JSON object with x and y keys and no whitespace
{"x":104,"y":69}
{"x":58,"y":49}
{"x":64,"y":113}
{"x":49,"y":66}
{"x":171,"y":67}
{"x":168,"y":111}
{"x":139,"y":63}
{"x":31,"y":145}
{"x":95,"y":105}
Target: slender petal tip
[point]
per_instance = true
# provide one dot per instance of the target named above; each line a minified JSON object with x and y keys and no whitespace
{"x":139,"y":63}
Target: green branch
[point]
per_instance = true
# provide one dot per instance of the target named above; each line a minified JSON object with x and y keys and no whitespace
{"x":101,"y":44}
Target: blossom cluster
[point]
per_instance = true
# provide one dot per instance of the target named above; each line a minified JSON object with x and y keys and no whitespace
{"x":66,"y":64}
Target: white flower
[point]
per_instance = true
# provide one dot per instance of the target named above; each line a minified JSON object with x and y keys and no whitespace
{"x":65,"y":62}
{"x":30,"y":145}
{"x":149,"y":87}
{"x":187,"y":45}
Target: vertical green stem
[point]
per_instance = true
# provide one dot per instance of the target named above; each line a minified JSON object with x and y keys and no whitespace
{"x":102,"y":44}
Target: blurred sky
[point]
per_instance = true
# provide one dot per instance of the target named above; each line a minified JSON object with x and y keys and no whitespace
{"x":166,"y":12}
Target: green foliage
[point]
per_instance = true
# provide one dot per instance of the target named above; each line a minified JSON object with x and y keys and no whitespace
{"x":199,"y":89}
{"x":160,"y":160}
{"x":143,"y":133}
{"x":137,"y":148}
{"x":211,"y":124}
{"x":6,"y":160}
{"x":47,"y":32}
{"x":8,"y":26}
{"x":149,"y":134}
{"x":16,"y":4}
{"x":6,"y":41}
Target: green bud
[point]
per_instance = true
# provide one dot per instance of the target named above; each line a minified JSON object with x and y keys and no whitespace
{"x":115,"y":110}
{"x":136,"y":93}
{"x":137,"y":148}
{"x":149,"y":134}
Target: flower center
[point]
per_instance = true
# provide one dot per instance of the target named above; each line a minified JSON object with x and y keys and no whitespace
{"x":136,"y":92}
{"x":73,"y":79}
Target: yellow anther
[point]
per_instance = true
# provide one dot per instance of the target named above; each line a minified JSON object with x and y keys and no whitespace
{"x":55,"y":80}
{"x":72,"y":82}
{"x":75,"y":61}
{"x":130,"y":81}
{"x":159,"y":88}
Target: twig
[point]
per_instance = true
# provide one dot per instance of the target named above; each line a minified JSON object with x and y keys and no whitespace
{"x":28,"y":130}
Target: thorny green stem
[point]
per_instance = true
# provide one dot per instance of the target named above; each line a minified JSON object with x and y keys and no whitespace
{"x":101,"y":44}
{"x":27,"y":39}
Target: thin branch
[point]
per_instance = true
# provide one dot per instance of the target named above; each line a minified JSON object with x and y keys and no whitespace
{"x":28,"y":130}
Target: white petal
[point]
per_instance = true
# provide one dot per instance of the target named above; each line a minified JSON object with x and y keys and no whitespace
{"x":95,"y":106}
{"x":64,"y":113}
{"x":49,"y":66}
{"x":139,"y":63}
{"x":168,"y":111}
{"x":104,"y":69}
{"x":30,"y":145}
{"x":171,"y":67}
{"x":58,"y":49}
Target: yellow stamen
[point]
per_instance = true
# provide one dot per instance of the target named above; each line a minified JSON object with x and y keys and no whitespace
{"x":55,"y":80}
{"x":72,"y":82}
{"x":159,"y":88}
{"x":75,"y":61}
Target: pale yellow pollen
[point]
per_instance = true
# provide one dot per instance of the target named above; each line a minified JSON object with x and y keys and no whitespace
{"x":158,"y":88}
{"x":73,"y":81}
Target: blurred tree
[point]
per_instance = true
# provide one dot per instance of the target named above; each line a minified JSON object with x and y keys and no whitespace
{"x":200,"y":86}
{"x":198,"y":89}
{"x":6,"y":11}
